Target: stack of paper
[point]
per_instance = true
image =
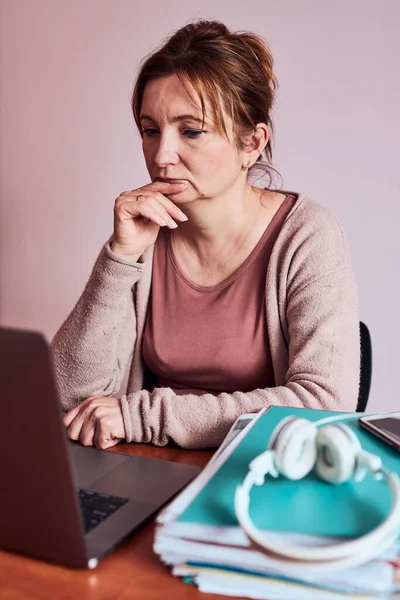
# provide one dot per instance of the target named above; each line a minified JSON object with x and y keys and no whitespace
{"x":199,"y":536}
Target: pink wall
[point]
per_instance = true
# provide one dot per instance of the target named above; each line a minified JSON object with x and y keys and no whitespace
{"x":69,"y":146}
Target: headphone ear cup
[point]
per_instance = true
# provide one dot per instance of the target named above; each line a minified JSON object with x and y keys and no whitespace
{"x":337,"y":450}
{"x":277,"y":431}
{"x":295,"y":448}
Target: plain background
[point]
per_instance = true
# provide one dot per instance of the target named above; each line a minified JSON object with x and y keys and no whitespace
{"x":69,"y":145}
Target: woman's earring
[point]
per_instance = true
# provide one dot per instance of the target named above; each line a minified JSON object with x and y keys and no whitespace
{"x":245,"y":167}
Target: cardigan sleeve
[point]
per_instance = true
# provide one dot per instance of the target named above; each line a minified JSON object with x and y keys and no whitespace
{"x":93,"y":346}
{"x":319,"y":315}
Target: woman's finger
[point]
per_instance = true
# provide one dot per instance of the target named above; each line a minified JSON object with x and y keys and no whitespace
{"x":103,"y":437}
{"x":147,"y":207}
{"x":157,"y":191}
{"x":159,"y":209}
{"x":87,"y":432}
{"x":172,"y":209}
{"x":71,"y":414}
{"x":74,"y":429}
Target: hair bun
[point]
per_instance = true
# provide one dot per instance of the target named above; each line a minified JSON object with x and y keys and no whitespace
{"x":209,"y":29}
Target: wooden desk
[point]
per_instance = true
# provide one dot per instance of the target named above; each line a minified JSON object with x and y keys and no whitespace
{"x":132,"y":571}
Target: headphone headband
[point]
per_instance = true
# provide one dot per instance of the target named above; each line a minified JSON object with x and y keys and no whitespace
{"x":319,"y":558}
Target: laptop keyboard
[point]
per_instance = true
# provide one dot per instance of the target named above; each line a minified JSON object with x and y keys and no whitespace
{"x":96,"y":507}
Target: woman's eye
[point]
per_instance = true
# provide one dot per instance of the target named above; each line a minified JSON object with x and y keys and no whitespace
{"x":149,"y":132}
{"x":190,"y":133}
{"x":193,"y":133}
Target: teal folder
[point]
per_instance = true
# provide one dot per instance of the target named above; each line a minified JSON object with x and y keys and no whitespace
{"x":308,"y":506}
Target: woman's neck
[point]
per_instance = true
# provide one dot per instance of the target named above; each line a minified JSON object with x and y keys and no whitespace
{"x":217,"y":228}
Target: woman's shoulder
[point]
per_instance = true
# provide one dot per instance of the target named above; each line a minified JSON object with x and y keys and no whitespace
{"x":310,"y":217}
{"x":309,"y":212}
{"x":311,"y":227}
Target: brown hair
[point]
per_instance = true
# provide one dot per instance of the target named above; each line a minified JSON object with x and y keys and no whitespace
{"x":233,"y":70}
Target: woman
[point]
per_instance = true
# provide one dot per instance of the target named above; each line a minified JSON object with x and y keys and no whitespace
{"x":213,"y":297}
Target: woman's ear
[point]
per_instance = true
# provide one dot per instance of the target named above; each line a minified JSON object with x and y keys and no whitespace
{"x":255,"y":143}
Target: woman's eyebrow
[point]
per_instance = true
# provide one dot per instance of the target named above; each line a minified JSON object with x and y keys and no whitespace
{"x":176,"y":119}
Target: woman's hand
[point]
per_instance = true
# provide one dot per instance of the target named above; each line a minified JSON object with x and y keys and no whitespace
{"x":96,"y":421}
{"x":139,"y":214}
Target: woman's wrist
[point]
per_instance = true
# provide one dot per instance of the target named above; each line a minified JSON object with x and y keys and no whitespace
{"x":120,"y":252}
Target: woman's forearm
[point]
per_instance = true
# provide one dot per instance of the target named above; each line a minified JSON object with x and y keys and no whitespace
{"x":91,"y":349}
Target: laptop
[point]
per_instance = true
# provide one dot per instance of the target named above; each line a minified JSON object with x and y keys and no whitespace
{"x":60,"y":501}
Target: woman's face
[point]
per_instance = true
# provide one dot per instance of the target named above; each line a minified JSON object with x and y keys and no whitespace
{"x":176,"y":146}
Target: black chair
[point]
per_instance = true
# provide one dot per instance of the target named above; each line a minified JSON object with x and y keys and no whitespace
{"x":366,"y":368}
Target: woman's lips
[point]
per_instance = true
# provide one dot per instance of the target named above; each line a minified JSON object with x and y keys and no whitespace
{"x":167,"y":180}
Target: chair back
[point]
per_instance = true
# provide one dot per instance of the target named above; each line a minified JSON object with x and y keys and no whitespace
{"x":366,"y":368}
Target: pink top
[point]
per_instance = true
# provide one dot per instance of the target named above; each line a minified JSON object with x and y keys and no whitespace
{"x":210,"y":339}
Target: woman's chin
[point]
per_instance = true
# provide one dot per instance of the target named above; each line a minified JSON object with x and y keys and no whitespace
{"x":183,"y":197}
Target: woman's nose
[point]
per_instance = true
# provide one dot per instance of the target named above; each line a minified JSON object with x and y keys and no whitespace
{"x":166,"y":153}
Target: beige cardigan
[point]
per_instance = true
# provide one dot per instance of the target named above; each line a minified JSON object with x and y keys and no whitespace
{"x":313,"y":329}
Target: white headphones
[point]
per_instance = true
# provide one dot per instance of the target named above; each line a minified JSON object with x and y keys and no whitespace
{"x":296,"y":447}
